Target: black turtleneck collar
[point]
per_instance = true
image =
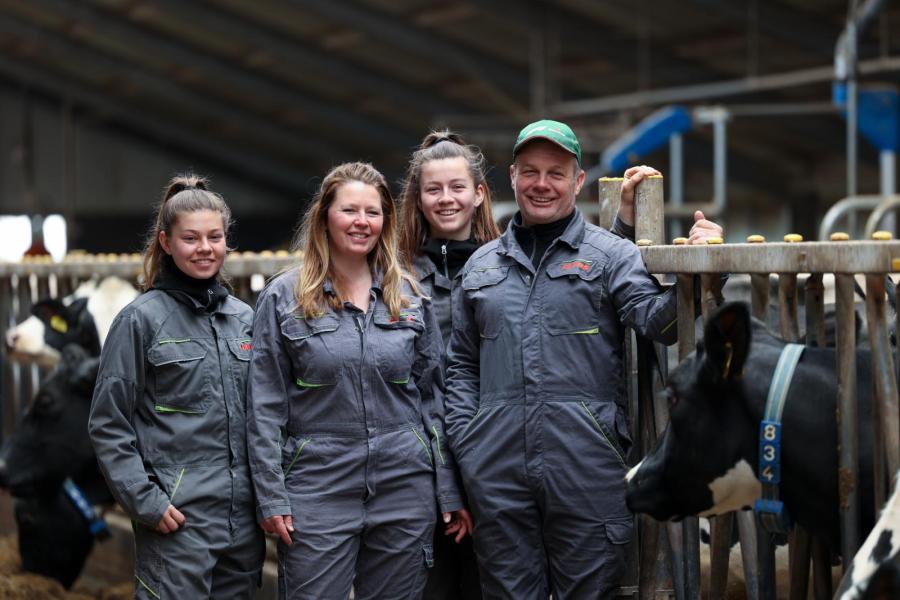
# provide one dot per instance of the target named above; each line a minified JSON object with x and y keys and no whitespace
{"x":535,"y":239}
{"x":204,"y":294}
{"x":449,"y":256}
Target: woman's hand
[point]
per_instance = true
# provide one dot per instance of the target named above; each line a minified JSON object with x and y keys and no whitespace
{"x":458,"y":522}
{"x":171,"y":520}
{"x":280,"y":525}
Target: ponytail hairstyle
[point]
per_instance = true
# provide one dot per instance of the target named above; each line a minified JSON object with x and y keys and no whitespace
{"x":312,"y":241}
{"x":414,"y":228}
{"x":184,"y":193}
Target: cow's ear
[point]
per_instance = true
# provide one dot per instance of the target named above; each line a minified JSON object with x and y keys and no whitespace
{"x":46,"y":309}
{"x":727,"y":341}
{"x":75,"y":308}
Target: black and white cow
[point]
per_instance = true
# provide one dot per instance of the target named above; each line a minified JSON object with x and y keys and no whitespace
{"x":49,"y":445}
{"x":875,"y":570}
{"x":82,"y":318}
{"x":706,"y":461}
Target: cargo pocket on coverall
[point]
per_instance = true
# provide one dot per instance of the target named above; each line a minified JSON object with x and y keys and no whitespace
{"x":608,"y":436}
{"x":180,"y":382}
{"x":308,"y":338}
{"x":147,"y":563}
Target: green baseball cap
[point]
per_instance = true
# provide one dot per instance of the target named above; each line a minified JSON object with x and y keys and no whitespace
{"x":552,"y":131}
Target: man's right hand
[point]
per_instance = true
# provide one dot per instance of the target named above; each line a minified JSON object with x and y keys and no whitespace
{"x":171,"y":520}
{"x":280,"y":525}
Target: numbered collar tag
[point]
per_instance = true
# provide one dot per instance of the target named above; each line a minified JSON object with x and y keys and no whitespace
{"x":770,"y":452}
{"x":772,"y":512}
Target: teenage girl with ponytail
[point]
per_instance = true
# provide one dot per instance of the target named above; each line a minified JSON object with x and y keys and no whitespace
{"x":445,"y":216}
{"x":168,"y":418}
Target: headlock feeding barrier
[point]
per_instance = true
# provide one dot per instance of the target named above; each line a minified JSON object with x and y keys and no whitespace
{"x":792,"y":263}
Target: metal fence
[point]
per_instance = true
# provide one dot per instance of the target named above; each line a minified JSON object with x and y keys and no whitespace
{"x":794,"y":263}
{"x":24,"y":283}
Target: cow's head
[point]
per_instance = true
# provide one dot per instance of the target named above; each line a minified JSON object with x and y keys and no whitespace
{"x":51,"y":326}
{"x":51,"y":441}
{"x":701,"y":463}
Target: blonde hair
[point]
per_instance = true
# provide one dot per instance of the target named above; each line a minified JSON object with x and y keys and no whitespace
{"x":414,"y":228}
{"x":312,"y":240}
{"x":184,"y":193}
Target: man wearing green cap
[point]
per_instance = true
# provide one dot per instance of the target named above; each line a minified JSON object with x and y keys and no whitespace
{"x":535,"y":405}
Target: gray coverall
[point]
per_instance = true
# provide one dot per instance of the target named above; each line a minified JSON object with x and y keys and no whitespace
{"x":346,"y":436}
{"x":168,"y":424}
{"x":535,"y":407}
{"x":455,"y":572}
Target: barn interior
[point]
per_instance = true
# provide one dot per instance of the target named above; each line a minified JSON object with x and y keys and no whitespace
{"x":772,"y":116}
{"x":103,"y":100}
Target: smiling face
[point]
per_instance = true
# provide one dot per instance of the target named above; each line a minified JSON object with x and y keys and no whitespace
{"x":196,"y":243}
{"x":448,"y":197}
{"x":545,"y":180}
{"x":355,"y":219}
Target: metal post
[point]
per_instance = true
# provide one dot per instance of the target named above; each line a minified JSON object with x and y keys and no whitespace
{"x":648,"y":203}
{"x":848,"y":417}
{"x":720,"y":161}
{"x":676,"y":180}
{"x":690,"y":527}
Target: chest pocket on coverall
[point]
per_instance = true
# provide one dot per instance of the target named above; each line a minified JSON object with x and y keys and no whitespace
{"x":179,"y":376}
{"x":395,"y":348}
{"x":488,"y":307}
{"x":574,"y":286}
{"x":313,"y":349}
{"x":241,"y":349}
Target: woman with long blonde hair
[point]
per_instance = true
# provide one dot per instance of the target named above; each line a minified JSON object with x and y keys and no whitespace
{"x":346,"y":409}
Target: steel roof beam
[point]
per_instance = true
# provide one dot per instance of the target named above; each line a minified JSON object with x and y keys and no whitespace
{"x":506,"y":84}
{"x":274,"y":174}
{"x":202,"y":106}
{"x":595,"y":39}
{"x":222,"y":20}
{"x":354,"y":126}
{"x":781,"y":22}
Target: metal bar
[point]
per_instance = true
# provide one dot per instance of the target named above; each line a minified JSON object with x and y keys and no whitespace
{"x":648,"y":202}
{"x":690,"y":529}
{"x":610,"y":196}
{"x":787,"y":307}
{"x":759,"y":296}
{"x":746,"y":522}
{"x":777,"y":257}
{"x":848,"y":417}
{"x":798,"y":559}
{"x":821,"y":559}
{"x":887,"y":425}
{"x":715,"y":89}
{"x":814,"y":296}
{"x":7,"y":381}
{"x":719,"y":549}
{"x":676,"y":180}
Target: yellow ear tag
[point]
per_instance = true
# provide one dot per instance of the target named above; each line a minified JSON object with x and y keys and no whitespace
{"x":59,"y":324}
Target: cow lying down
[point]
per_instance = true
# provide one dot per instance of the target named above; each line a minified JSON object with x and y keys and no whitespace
{"x":48,"y":453}
{"x":82,"y":318}
{"x":706,"y":462}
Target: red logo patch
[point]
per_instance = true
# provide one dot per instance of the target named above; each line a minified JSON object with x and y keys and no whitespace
{"x":576,"y":264}
{"x":246,"y":346}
